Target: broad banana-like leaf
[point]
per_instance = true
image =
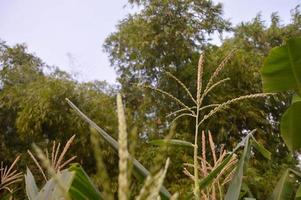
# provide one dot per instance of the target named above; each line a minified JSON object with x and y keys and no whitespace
{"x":236,"y":182}
{"x":290,"y":125}
{"x":73,"y":183}
{"x":139,"y":171}
{"x":174,"y":142}
{"x":30,"y":185}
{"x":282,"y":68}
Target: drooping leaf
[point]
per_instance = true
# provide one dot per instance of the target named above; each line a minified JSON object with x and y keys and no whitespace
{"x":30,"y":185}
{"x":291,"y":125}
{"x":175,"y":142}
{"x":259,"y":147}
{"x":284,"y":188}
{"x":82,"y":187}
{"x":139,"y":171}
{"x":236,"y":182}
{"x":282,"y":68}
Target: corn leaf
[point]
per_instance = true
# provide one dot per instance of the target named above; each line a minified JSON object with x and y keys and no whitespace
{"x":174,"y":142}
{"x":214,"y":173}
{"x":139,"y":171}
{"x":81,"y":187}
{"x":236,"y":182}
{"x":298,"y":193}
{"x":284,"y":188}
{"x":259,"y":147}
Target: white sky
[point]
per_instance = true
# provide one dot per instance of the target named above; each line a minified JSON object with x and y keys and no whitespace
{"x":70,"y":33}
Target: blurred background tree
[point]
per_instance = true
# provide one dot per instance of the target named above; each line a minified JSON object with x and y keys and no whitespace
{"x":33,"y":108}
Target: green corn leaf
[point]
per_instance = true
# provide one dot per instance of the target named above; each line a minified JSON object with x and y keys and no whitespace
{"x":174,"y":142}
{"x":284,"y":188}
{"x":139,"y":171}
{"x":290,"y":126}
{"x":259,"y":147}
{"x":298,"y":193}
{"x":236,"y":182}
{"x":81,"y":187}
{"x":282,"y":68}
{"x":214,"y":173}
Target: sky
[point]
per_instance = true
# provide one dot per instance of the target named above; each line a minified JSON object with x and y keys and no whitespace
{"x":70,"y":33}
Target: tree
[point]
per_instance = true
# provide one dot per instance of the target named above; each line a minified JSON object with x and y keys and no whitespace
{"x":33,"y":108}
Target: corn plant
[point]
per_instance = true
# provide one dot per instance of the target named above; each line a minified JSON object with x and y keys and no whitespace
{"x":139,"y":171}
{"x":195,"y":110}
{"x":74,"y":183}
{"x":216,"y":188}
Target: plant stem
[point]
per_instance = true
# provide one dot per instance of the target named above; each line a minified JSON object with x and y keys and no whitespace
{"x":195,"y":157}
{"x":198,"y":105}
